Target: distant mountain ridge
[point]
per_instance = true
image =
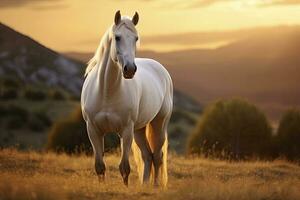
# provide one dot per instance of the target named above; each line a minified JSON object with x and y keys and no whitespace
{"x":31,"y":62}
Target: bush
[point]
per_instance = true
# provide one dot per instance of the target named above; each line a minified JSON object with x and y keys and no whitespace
{"x":10,"y":82}
{"x":34,"y":94}
{"x":17,"y":111}
{"x":69,"y":135}
{"x":232,"y":129}
{"x":16,"y":116}
{"x":42,"y":116}
{"x":3,"y":111}
{"x":14,"y":123}
{"x":8,"y":93}
{"x":39,"y":121}
{"x":288,"y":135}
{"x":56,"y":95}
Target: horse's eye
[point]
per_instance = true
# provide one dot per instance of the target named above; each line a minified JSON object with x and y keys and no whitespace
{"x":118,"y":38}
{"x":137,"y":38}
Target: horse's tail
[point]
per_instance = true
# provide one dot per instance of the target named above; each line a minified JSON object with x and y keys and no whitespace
{"x":164,"y":169}
{"x":137,"y":154}
{"x":139,"y":161}
{"x":163,"y":172}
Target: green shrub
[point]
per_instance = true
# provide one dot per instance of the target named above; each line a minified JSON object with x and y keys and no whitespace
{"x":178,"y":115}
{"x":43,"y":117}
{"x":14,"y":123}
{"x":69,"y":135}
{"x":39,"y":121}
{"x":288,"y":135}
{"x":8,"y":93}
{"x":56,"y":95}
{"x":15,"y":116}
{"x":34,"y":94}
{"x":232,"y":129}
{"x":10,"y":82}
{"x":17,"y":111}
{"x":3,"y":111}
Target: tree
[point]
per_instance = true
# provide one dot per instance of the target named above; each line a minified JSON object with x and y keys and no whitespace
{"x":231,"y":129}
{"x":288,"y":134}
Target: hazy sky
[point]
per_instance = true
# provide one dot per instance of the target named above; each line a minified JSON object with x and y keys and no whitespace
{"x":77,"y":25}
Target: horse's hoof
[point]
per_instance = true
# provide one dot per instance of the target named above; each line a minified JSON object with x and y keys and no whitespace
{"x":125,"y":171}
{"x":156,"y":184}
{"x":100,"y":169}
{"x":101,"y":178}
{"x":125,"y":180}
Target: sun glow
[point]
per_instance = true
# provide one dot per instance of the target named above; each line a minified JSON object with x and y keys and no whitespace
{"x":77,"y":25}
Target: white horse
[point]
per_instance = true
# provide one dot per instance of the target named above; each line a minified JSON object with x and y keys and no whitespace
{"x":130,"y":96}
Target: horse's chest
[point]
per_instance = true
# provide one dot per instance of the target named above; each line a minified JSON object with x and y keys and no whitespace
{"x":110,"y":121}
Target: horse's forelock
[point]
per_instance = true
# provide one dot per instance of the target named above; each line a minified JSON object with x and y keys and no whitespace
{"x":126,"y":21}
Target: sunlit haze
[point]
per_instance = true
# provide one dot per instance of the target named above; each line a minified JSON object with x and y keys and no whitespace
{"x":77,"y":25}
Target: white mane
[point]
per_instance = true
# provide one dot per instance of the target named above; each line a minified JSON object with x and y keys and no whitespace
{"x":99,"y":52}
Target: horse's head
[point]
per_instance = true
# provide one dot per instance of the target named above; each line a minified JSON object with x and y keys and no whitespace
{"x":123,"y":43}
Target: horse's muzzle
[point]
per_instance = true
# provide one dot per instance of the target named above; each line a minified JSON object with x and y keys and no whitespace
{"x":128,"y":76}
{"x":129,"y":71}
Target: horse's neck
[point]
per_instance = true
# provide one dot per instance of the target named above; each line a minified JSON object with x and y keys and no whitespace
{"x":109,"y":76}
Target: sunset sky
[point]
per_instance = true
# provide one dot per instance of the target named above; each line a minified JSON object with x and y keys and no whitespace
{"x":77,"y":25}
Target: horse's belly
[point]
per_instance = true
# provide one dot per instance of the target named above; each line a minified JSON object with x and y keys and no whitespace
{"x":147,"y":111}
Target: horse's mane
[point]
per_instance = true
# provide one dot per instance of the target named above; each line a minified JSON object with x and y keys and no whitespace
{"x":105,"y":42}
{"x":99,"y":52}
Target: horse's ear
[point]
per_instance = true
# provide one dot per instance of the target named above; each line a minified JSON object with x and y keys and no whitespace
{"x":117,"y":17}
{"x":135,"y":18}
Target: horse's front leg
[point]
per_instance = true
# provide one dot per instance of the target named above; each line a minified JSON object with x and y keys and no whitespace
{"x":126,"y":141}
{"x":97,"y":141}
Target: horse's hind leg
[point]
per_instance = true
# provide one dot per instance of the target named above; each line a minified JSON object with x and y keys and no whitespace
{"x":141,"y":140}
{"x":97,"y":141}
{"x":158,"y":138}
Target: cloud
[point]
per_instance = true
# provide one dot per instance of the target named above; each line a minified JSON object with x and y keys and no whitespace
{"x":203,"y":3}
{"x":279,"y":2}
{"x":201,"y":38}
{"x":21,"y":3}
{"x":206,"y":3}
{"x":49,"y":7}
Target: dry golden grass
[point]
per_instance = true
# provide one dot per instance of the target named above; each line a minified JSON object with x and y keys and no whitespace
{"x":32,"y":175}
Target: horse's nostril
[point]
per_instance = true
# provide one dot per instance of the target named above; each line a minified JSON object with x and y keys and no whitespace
{"x":135,"y":68}
{"x":125,"y":68}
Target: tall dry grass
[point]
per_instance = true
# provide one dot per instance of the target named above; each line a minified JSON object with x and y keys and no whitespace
{"x":32,"y":175}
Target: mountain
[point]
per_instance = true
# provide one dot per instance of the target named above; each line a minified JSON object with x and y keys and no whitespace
{"x":262,"y":67}
{"x":32,"y":63}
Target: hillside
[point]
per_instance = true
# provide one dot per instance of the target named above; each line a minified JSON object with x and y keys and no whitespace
{"x":32,"y":63}
{"x":32,"y":175}
{"x":263,"y":67}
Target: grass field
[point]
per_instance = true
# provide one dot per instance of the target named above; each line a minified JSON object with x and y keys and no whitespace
{"x":32,"y":175}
